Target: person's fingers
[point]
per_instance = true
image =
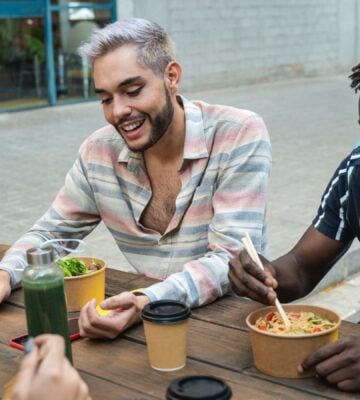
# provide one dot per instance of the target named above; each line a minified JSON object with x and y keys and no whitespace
{"x":245,"y":284}
{"x":125,"y":312}
{"x":349,"y":385}
{"x":92,"y":325}
{"x":122,"y":300}
{"x":82,"y":389}
{"x":52,"y":349}
{"x":263,"y":275}
{"x":322,"y":354}
{"x":75,"y":387}
{"x":25,"y":375}
{"x":5,"y":288}
{"x":84,"y":323}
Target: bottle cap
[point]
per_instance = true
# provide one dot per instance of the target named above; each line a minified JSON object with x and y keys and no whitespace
{"x":165,"y":311}
{"x":40,"y":256}
{"x":198,"y":387}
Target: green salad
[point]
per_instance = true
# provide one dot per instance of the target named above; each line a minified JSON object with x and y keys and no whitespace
{"x":71,"y":266}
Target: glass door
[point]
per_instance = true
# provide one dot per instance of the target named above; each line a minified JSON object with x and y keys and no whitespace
{"x":72,"y":24}
{"x":39,"y":64}
{"x":23,"y":81}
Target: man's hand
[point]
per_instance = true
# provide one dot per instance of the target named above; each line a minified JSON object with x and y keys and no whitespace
{"x":5,"y":288}
{"x":47,"y":369}
{"x":125,"y":312}
{"x":247,"y":279}
{"x":338,"y":363}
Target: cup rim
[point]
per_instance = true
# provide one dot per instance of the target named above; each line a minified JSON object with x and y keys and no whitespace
{"x":173,"y":311}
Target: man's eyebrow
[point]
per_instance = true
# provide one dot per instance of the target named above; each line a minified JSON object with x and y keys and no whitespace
{"x":125,"y":82}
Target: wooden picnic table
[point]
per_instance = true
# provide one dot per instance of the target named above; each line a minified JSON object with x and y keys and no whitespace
{"x":218,"y":345}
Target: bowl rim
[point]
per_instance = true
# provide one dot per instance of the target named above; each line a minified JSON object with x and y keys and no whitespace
{"x":266,"y":309}
{"x":100,"y":270}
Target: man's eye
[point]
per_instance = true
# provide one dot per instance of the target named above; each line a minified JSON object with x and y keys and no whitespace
{"x":106,"y":101}
{"x":135,"y":92}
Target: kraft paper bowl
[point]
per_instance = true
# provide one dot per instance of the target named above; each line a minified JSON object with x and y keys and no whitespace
{"x":81,"y":289}
{"x":279,"y":355}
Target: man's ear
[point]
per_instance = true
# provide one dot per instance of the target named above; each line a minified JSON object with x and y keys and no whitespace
{"x":173,"y":76}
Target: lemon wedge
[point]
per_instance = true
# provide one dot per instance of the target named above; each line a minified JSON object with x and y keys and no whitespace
{"x":101,"y":311}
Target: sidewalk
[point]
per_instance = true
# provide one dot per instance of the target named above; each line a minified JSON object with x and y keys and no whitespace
{"x":312,"y":124}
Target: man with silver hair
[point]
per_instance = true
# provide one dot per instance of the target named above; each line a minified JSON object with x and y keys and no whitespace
{"x":176,"y":182}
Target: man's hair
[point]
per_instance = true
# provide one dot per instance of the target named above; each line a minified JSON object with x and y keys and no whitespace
{"x":355,"y":78}
{"x":155,"y":48}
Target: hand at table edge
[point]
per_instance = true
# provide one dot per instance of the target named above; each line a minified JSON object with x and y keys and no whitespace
{"x":125,"y":309}
{"x":5,"y":287}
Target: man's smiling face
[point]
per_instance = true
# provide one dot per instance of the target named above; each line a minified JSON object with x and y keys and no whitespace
{"x":135,"y":100}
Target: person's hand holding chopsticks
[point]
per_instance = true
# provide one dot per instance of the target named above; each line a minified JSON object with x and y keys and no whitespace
{"x":249,"y":280}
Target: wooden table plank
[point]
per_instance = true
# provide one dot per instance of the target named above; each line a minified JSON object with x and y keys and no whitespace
{"x":228,"y":311}
{"x":126,"y":361}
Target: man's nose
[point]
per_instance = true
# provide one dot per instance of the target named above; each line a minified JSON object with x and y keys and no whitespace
{"x":121,"y":109}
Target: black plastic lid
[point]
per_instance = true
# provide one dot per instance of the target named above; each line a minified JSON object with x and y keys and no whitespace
{"x":165,"y":311}
{"x":198,"y":387}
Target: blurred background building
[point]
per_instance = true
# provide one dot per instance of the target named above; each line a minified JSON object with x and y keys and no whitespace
{"x":221,"y":43}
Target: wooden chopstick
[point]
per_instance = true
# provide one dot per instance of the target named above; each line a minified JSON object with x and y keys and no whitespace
{"x":254,"y":255}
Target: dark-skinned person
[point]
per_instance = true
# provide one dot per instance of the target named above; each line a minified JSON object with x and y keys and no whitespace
{"x":176,"y":182}
{"x":296,"y":273}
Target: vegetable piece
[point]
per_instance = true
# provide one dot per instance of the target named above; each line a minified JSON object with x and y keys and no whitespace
{"x":72,"y":266}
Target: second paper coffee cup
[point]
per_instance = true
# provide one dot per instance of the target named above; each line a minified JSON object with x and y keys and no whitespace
{"x":166,"y":330}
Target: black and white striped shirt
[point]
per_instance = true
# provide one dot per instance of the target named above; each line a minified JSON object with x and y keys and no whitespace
{"x":338,"y":216}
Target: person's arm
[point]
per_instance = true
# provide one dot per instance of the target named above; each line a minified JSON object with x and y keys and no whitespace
{"x":46,"y":368}
{"x":292,"y":275}
{"x":300,"y":270}
{"x":239,"y":205}
{"x":72,"y":215}
{"x":296,"y":273}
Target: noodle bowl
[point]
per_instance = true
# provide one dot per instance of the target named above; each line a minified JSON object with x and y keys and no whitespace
{"x":301,"y":323}
{"x":279,"y":353}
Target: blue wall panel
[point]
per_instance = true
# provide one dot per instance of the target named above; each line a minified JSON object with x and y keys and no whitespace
{"x":20,"y":9}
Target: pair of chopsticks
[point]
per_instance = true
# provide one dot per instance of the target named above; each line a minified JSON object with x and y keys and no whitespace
{"x":254,"y":256}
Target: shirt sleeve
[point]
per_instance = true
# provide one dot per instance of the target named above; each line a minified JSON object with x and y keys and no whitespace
{"x":335,"y":211}
{"x":239,"y":204}
{"x":72,"y":215}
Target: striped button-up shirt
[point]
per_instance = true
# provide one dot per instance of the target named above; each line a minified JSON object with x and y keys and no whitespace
{"x":224,"y":180}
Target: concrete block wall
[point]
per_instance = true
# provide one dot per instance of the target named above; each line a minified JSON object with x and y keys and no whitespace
{"x":226,"y":43}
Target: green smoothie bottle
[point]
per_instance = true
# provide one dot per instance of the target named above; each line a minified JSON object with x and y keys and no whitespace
{"x":45,"y":305}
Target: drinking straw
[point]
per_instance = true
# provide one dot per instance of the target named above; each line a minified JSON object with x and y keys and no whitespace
{"x":254,"y":256}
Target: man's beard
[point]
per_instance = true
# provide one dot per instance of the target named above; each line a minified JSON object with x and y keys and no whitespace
{"x":159,"y":126}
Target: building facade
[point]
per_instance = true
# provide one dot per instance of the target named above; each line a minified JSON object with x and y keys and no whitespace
{"x":220,"y":43}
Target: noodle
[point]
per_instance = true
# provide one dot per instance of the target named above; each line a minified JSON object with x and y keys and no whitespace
{"x":300,"y":323}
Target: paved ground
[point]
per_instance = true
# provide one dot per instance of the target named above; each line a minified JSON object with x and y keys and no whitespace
{"x":312,"y":124}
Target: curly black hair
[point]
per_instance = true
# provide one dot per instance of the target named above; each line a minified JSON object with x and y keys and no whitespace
{"x":355,"y":78}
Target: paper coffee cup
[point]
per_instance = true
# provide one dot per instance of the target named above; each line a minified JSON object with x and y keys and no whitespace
{"x":199,"y":387}
{"x":166,"y":330}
